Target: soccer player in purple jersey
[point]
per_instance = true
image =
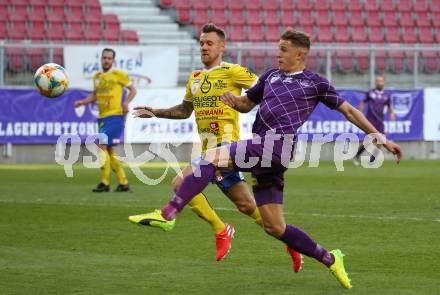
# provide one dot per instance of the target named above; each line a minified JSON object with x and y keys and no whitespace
{"x":286,"y":97}
{"x":376,"y":100}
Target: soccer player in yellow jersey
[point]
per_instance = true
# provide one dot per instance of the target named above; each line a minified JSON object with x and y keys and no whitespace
{"x":203,"y":92}
{"x":108,"y":89}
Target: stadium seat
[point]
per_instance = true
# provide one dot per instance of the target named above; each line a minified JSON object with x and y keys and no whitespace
{"x":434,"y":6}
{"x":375,"y":35}
{"x":397,"y":61}
{"x":17,"y":31}
{"x":287,"y":18}
{"x":236,"y":17}
{"x":341,"y":34}
{"x":93,"y":6}
{"x":305,"y":18}
{"x":236,"y":33}
{"x":217,"y":5}
{"x":380,"y":59}
{"x":404,"y":5}
{"x":110,"y":36}
{"x":75,"y":7}
{"x":15,"y":58}
{"x":362,"y":61}
{"x":359,"y":35}
{"x":252,"y":5}
{"x":272,"y":33}
{"x":422,"y":20}
{"x":389,"y":19}
{"x":254,"y":60}
{"x":234,"y":5}
{"x":36,"y":57}
{"x":344,"y":61}
{"x":436,"y":21}
{"x":420,"y":6}
{"x":58,"y":56}
{"x":218,"y":17}
{"x":55,"y":34}
{"x":55,"y":5}
{"x":321,"y":5}
{"x":304,"y":5}
{"x":409,"y":35}
{"x":312,"y":61}
{"x":373,"y":19}
{"x":371,"y":6}
{"x":392,"y":35}
{"x":426,"y":35}
{"x":356,"y":19}
{"x":252,"y":17}
{"x":111,"y":22}
{"x":406,"y":19}
{"x":182,"y":5}
{"x":387,"y":5}
{"x":37,"y":18}
{"x":340,"y":18}
{"x":338,"y":5}
{"x":322,"y":18}
{"x":270,"y":17}
{"x":287,"y":6}
{"x":200,"y":4}
{"x":183,"y":16}
{"x":3,"y":31}
{"x":270,"y":5}
{"x":37,"y":3}
{"x":324,"y":35}
{"x":73,"y":36}
{"x":129,"y":37}
{"x":429,"y":61}
{"x":166,"y":3}
{"x":255,"y":33}
{"x":55,"y":19}
{"x":354,"y":5}
{"x":36,"y":33}
{"x":93,"y":18}
{"x":200,"y":17}
{"x":92,"y":35}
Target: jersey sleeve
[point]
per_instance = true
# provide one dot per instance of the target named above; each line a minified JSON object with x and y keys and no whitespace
{"x":242,"y":77}
{"x":367,"y":97}
{"x":328,"y":95}
{"x":123,"y":78}
{"x":188,"y":92}
{"x":257,"y":91}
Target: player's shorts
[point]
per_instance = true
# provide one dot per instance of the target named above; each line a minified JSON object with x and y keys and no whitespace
{"x":112,"y":127}
{"x":267,"y":166}
{"x":225,"y":177}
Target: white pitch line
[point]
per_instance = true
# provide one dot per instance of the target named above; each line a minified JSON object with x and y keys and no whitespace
{"x":346,"y":216}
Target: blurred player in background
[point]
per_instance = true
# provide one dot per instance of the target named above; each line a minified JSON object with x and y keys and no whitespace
{"x":376,"y":99}
{"x":203,"y":92}
{"x":108,"y":89}
{"x":286,"y":97}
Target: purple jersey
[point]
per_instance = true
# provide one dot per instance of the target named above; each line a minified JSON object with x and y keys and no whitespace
{"x":376,"y":101}
{"x":287,"y":100}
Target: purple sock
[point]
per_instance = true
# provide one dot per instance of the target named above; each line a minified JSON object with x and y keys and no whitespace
{"x":189,"y":188}
{"x":302,"y":243}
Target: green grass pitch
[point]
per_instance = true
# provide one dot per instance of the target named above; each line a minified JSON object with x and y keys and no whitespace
{"x":57,"y":237}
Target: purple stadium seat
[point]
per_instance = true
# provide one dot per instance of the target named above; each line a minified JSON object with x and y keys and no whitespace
{"x":236,"y":17}
{"x":322,"y":18}
{"x":321,"y":5}
{"x":129,"y":37}
{"x":375,"y":35}
{"x":404,"y":5}
{"x":270,"y":17}
{"x":359,"y":35}
{"x":426,"y":35}
{"x":387,"y":5}
{"x":409,"y":35}
{"x":338,"y":5}
{"x":252,"y":17}
{"x":270,"y":5}
{"x":406,"y":19}
{"x":390,"y":19}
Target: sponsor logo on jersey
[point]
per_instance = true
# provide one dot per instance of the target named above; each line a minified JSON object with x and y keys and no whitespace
{"x":220,"y":84}
{"x":289,"y":80}
{"x":206,"y":85}
{"x":274,"y":79}
{"x":196,"y":74}
{"x":214,"y":126}
{"x":206,"y":101}
{"x":195,"y":86}
{"x":304,"y":83}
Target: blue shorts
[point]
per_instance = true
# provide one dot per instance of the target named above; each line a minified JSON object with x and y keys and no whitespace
{"x":224,"y":177}
{"x":112,"y":127}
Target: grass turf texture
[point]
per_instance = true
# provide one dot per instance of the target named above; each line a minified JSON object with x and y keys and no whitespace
{"x":57,"y":237}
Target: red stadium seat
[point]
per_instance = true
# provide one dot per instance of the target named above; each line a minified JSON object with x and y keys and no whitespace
{"x":200,"y":17}
{"x":254,"y":59}
{"x":340,"y":18}
{"x":309,"y":30}
{"x":37,"y":18}
{"x":217,"y":5}
{"x":422,"y":20}
{"x":312,"y":61}
{"x":93,"y":18}
{"x":252,"y":5}
{"x":93,"y":6}
{"x":36,"y":57}
{"x":338,"y":5}
{"x":436,"y":20}
{"x":324,"y":35}
{"x":288,"y":18}
{"x":183,"y":16}
{"x":111,"y":22}
{"x":322,"y":18}
{"x":341,"y":34}
{"x":75,"y":7}
{"x":234,"y":5}
{"x":218,"y":17}
{"x":236,"y":17}
{"x":375,"y":35}
{"x":420,"y":6}
{"x":321,"y":5}
{"x":409,"y":62}
{"x":371,"y":6}
{"x":354,"y":5}
{"x":199,"y":4}
{"x":272,"y":33}
{"x":237,"y":33}
{"x":55,"y":33}
{"x":92,"y":35}
{"x":426,"y":35}
{"x":37,"y":3}
{"x":306,"y":18}
{"x":304,"y":5}
{"x":255,"y":33}
{"x":406,"y":19}
{"x":110,"y":36}
{"x":73,"y":36}
{"x":387,"y":5}
{"x":362,"y":61}
{"x":287,"y":6}
{"x":359,"y":35}
{"x":17,"y":31}
{"x":409,"y":35}
{"x":57,"y":56}
{"x":129,"y":37}
{"x":392,"y":35}
{"x":55,"y":19}
{"x":182,"y":5}
{"x":344,"y":60}
{"x":3,"y":31}
{"x":55,"y":4}
{"x":356,"y":19}
{"x":380,"y":59}
{"x":373,"y":19}
{"x":15,"y":58}
{"x":36,"y":33}
{"x":390,"y":19}
{"x":429,"y":61}
{"x":270,"y":5}
{"x":270,"y":17}
{"x":434,"y":6}
{"x":252,"y":17}
{"x":397,"y":61}
{"x":19,"y":9}
{"x":166,"y":3}
{"x":404,"y":5}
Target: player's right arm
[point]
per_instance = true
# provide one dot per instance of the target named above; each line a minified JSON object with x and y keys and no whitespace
{"x":180,"y":111}
{"x":89,"y":99}
{"x":240,"y":103}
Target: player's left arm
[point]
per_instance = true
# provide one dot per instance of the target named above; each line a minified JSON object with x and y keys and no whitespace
{"x":357,"y":118}
{"x":131,"y":94}
{"x":239,"y":103}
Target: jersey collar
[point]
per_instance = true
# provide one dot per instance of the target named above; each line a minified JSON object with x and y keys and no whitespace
{"x":214,"y":68}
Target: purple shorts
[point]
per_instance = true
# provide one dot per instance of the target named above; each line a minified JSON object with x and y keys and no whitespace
{"x":267,"y":159}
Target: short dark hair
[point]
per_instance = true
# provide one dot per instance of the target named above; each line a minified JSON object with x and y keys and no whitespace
{"x":212,"y":28}
{"x":109,"y":50}
{"x":297,"y":38}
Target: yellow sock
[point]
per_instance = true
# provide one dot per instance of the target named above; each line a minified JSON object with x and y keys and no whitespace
{"x":104,"y":159}
{"x":257,"y":217}
{"x":200,"y":205}
{"x":117,"y":167}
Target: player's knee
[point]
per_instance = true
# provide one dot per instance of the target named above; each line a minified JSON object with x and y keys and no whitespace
{"x":177,"y":181}
{"x":274,"y":230}
{"x":246,"y":206}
